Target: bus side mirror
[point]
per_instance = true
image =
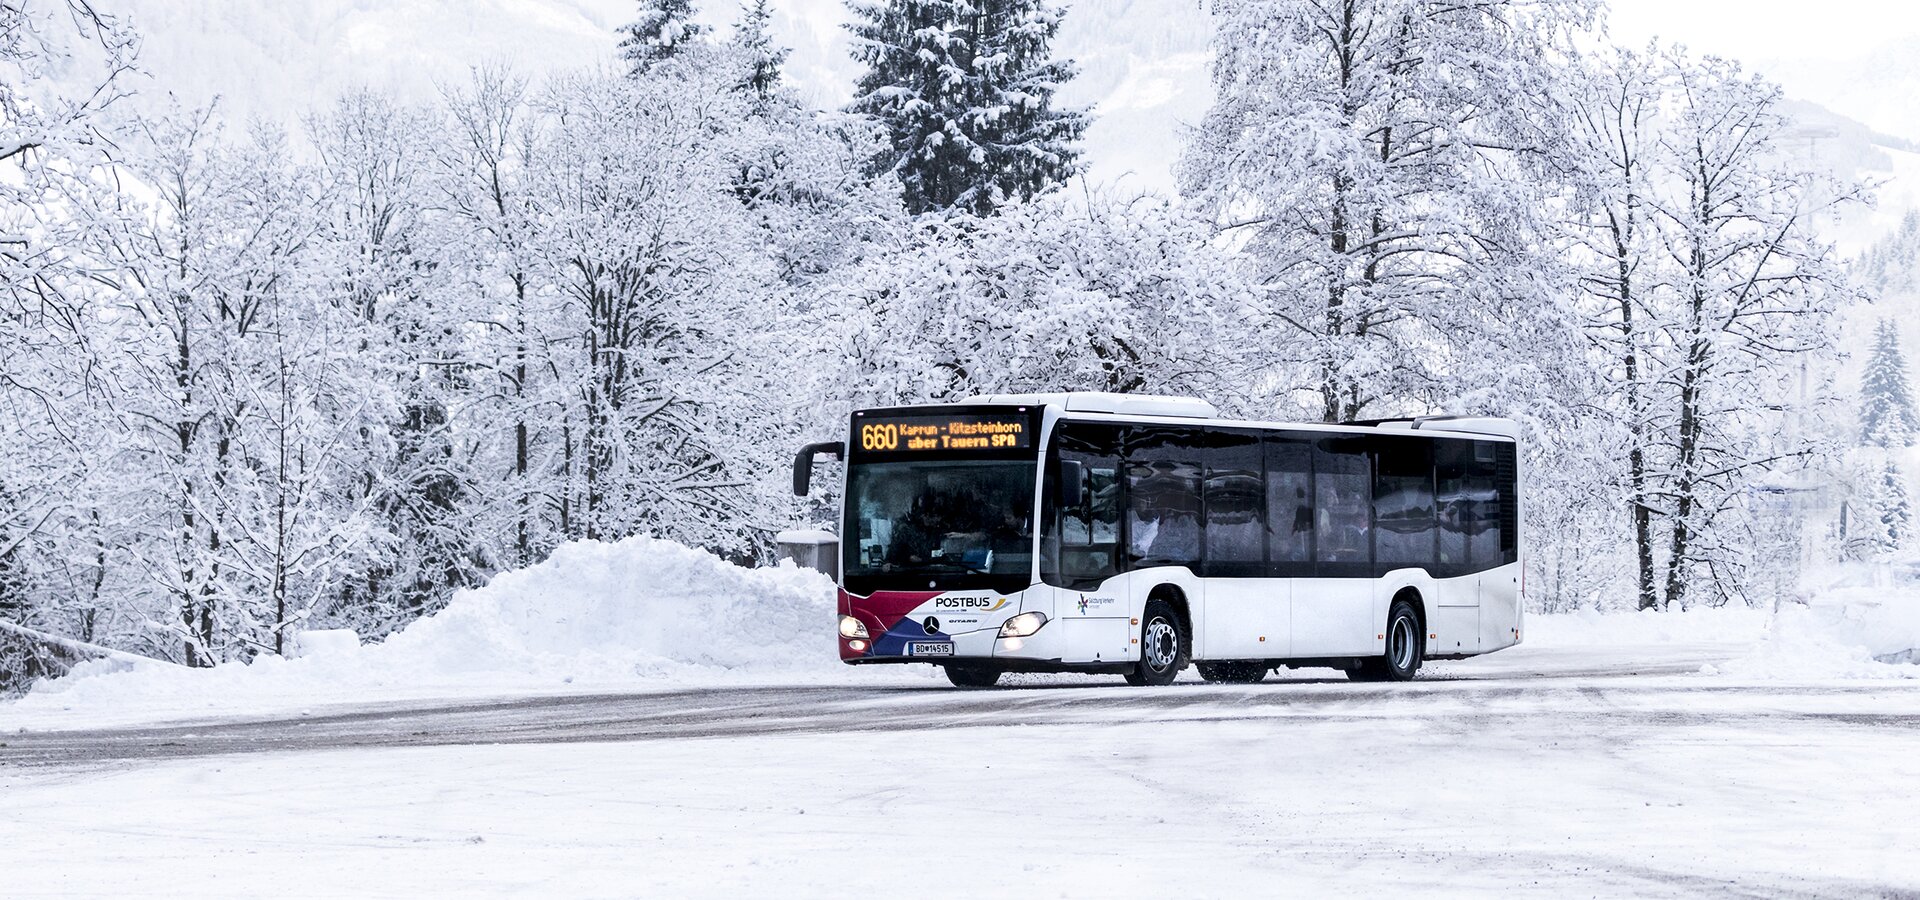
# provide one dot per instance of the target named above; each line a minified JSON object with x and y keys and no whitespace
{"x":803,"y":463}
{"x":1073,"y":482}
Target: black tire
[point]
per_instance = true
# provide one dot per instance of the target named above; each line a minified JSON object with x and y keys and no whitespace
{"x":1405,"y":651}
{"x":973,"y":676}
{"x":1234,"y":671}
{"x":1165,"y":647}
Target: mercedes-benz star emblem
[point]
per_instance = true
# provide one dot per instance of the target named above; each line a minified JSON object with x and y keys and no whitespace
{"x":932,"y":625}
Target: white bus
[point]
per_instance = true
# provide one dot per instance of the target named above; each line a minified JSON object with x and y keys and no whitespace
{"x":1083,"y":532}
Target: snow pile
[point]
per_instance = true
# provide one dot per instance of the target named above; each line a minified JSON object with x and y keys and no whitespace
{"x":641,"y":607}
{"x":1700,"y":625}
{"x":641,"y":611}
{"x":1857,"y":628}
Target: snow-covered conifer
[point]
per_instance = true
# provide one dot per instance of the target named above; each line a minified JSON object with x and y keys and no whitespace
{"x":1887,"y":417}
{"x":966,"y":89}
{"x":661,"y":30}
{"x":1895,"y":507}
{"x":753,"y":36}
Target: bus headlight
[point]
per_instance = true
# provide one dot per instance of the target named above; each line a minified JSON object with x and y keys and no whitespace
{"x":851,"y":627}
{"x":1023,"y":624}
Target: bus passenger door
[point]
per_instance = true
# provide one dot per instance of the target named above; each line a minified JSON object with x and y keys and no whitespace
{"x":1334,"y":609}
{"x":1163,"y":518}
{"x":1247,"y":613}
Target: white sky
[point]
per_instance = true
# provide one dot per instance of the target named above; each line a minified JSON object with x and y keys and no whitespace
{"x":1758,"y":30}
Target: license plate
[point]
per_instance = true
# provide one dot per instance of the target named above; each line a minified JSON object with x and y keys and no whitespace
{"x":923,"y":648}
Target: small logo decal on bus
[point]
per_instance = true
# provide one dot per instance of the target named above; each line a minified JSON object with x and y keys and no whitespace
{"x":932,"y":625}
{"x":1086,"y":602}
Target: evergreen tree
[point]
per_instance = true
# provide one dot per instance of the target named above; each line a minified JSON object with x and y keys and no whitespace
{"x":1896,"y":511}
{"x":753,"y":36}
{"x":1889,"y":265}
{"x":1886,"y":405}
{"x":662,"y":29}
{"x":965,"y":91}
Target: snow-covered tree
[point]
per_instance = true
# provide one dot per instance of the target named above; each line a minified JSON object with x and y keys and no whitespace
{"x":662,"y":271}
{"x":492,"y":238}
{"x":1610,"y":158}
{"x":660,"y":31}
{"x":90,"y":45}
{"x":1750,"y":297}
{"x":1887,"y":417}
{"x":1371,"y":159}
{"x":965,"y":89}
{"x":1049,"y":295}
{"x":753,"y":37}
{"x":64,"y":70}
{"x":379,"y":247}
{"x":1895,"y":507}
{"x":1891,"y":266}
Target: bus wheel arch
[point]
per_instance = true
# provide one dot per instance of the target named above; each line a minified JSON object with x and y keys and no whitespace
{"x":1405,"y":642}
{"x":1411,"y":596}
{"x":1163,"y":655}
{"x":1173,"y":596}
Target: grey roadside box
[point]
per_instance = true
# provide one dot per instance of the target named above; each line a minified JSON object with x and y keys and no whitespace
{"x":811,"y":549}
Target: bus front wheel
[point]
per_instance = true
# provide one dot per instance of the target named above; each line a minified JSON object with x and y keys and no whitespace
{"x":973,"y":676}
{"x":1163,"y":646}
{"x":1404,"y":649}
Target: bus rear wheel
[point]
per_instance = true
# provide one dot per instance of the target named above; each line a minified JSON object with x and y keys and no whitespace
{"x":1404,"y":649}
{"x":1233,"y":672}
{"x":973,"y":676}
{"x":1163,"y":646}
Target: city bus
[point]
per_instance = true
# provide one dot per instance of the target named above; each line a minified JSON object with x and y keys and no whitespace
{"x":1138,"y":535}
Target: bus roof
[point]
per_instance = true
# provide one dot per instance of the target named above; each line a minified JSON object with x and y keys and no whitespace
{"x":1155,"y":407}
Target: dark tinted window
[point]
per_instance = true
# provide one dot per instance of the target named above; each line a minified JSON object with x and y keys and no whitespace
{"x":1476,"y":504}
{"x":1403,"y":518}
{"x":1290,"y":506}
{"x":1081,"y":544}
{"x":1343,"y":513}
{"x":1495,"y":535}
{"x":1163,"y":490}
{"x":1235,"y":526}
{"x":1459,"y":500}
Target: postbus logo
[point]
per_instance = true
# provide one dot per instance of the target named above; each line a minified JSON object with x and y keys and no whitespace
{"x":978,"y":604}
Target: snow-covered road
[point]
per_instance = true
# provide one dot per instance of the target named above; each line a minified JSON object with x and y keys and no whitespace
{"x":1548,"y":771}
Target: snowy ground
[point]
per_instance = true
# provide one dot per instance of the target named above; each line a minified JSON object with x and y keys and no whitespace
{"x":1522,"y":771}
{"x":640,"y":718}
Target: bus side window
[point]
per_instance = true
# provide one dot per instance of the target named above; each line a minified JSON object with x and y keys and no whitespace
{"x":1163,"y":490}
{"x":1342,"y":507}
{"x":1494,"y":535}
{"x":1457,"y":499}
{"x":1402,"y":503}
{"x":1086,"y":533}
{"x":1289,"y":506}
{"x":1235,"y":500}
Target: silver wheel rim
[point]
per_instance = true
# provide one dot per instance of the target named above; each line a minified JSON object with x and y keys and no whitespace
{"x":1162,"y":645}
{"x":1402,"y":643}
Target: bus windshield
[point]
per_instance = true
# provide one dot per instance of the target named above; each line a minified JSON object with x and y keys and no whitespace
{"x":946,"y":524}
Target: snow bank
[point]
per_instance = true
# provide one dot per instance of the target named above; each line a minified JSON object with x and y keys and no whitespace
{"x":1859,"y":621}
{"x":635,"y":613}
{"x":1862,"y":623}
{"x":1702,"y":625}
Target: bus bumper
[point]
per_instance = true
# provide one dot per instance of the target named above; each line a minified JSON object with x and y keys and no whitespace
{"x":931,"y":627}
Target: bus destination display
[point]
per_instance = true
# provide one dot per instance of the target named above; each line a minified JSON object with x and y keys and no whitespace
{"x":943,"y":434}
